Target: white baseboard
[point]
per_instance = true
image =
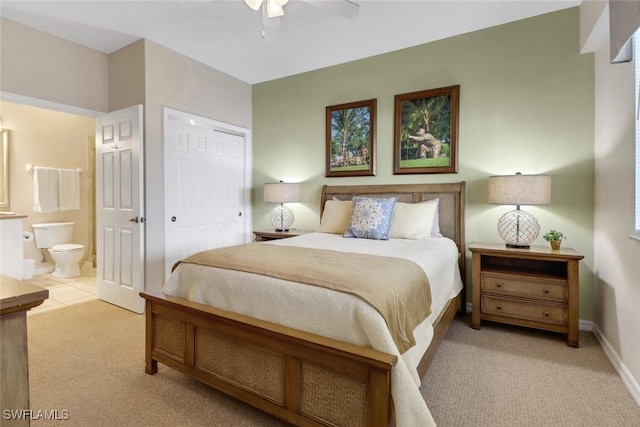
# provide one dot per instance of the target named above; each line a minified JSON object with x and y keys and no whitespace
{"x":585,"y":325}
{"x":621,"y":369}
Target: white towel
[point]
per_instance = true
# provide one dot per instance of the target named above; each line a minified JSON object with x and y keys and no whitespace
{"x":69,"y":189}
{"x":45,"y":190}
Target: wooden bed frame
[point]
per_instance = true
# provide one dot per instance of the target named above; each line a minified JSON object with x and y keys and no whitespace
{"x":302,"y":378}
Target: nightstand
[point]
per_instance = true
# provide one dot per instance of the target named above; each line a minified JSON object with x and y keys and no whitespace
{"x":262,"y":236}
{"x":536,"y":287}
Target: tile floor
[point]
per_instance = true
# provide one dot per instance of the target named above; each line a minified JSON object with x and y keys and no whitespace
{"x":64,"y":292}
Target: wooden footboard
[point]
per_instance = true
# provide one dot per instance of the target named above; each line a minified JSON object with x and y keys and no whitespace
{"x":305,"y":379}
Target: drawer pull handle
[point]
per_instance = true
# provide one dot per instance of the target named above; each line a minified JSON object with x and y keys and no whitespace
{"x":498,"y":285}
{"x":498,"y":307}
{"x":546,"y":291}
{"x":547,"y":314}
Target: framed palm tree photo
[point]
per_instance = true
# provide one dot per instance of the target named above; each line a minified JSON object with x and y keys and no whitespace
{"x":350,"y":139}
{"x":426,"y":131}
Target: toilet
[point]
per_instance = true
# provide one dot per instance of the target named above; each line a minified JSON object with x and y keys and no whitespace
{"x":56,"y":237}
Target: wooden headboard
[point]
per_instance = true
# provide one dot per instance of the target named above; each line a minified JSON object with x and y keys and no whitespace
{"x":450,"y":212}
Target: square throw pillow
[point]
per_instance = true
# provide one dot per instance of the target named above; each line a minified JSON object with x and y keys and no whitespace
{"x":370,"y":217}
{"x":335,"y":216}
{"x":413,"y":221}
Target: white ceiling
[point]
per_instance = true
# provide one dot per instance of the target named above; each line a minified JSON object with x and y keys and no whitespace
{"x":226,"y":34}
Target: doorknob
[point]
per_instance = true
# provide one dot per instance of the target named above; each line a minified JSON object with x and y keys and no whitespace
{"x":173,"y":219}
{"x":136,"y":220}
{"x":239,"y":213}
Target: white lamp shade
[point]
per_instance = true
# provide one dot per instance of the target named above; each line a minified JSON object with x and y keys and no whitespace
{"x":281,"y":192}
{"x":520,"y":189}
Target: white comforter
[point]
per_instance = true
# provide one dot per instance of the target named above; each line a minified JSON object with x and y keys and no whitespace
{"x":305,"y":307}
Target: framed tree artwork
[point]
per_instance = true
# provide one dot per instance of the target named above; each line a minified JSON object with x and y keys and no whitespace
{"x":350,"y":139}
{"x":426,"y":131}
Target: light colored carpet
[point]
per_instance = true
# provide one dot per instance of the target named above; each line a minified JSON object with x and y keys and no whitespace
{"x":510,"y":376}
{"x":89,"y":359}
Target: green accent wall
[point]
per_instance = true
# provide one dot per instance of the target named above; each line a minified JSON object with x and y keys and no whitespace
{"x":526,"y":105}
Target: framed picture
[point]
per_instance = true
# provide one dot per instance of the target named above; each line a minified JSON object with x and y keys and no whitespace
{"x":350,"y":138}
{"x":426,"y":131}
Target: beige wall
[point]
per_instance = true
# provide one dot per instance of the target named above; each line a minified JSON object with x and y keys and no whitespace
{"x":526,"y":104}
{"x":617,"y":270}
{"x":42,"y":66}
{"x":126,"y":76}
{"x":52,"y":139}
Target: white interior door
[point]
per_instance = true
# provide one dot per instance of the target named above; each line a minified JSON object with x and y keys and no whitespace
{"x":206,"y":189}
{"x":119,"y":208}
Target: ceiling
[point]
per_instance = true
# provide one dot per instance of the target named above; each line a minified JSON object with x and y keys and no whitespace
{"x":226,"y":34}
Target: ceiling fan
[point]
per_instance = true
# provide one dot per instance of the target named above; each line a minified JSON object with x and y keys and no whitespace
{"x":275,"y":9}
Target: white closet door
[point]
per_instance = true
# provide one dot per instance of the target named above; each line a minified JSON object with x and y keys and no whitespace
{"x":206,"y":188}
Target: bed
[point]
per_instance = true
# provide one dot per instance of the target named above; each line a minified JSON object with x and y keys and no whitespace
{"x":307,"y":375}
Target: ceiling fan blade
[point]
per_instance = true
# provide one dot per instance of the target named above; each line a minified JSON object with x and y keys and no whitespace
{"x":274,"y":9}
{"x":270,"y":26}
{"x":253,"y":4}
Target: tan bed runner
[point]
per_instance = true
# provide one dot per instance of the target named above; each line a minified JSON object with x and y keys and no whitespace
{"x":397,"y":288}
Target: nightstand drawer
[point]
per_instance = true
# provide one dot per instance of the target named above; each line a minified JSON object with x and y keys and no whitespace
{"x":522,"y":286}
{"x":545,"y":313}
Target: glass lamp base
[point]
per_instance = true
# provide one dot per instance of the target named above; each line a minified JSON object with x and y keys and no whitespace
{"x":281,"y":218}
{"x":518,"y":229}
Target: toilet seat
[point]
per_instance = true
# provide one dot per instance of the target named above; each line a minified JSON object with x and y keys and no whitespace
{"x":67,"y":247}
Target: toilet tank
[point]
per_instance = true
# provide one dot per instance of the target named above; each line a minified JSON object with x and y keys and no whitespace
{"x":52,"y":233}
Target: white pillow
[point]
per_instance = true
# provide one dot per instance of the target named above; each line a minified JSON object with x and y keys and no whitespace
{"x":335,"y":216}
{"x":435,"y":230}
{"x":414,"y":221}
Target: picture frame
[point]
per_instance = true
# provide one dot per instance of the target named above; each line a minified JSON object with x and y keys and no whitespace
{"x":426,"y":131}
{"x":350,"y":139}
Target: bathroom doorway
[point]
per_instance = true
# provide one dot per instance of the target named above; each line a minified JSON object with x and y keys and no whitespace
{"x":53,"y":135}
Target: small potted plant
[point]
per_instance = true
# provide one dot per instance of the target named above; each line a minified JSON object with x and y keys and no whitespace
{"x":554,"y":237}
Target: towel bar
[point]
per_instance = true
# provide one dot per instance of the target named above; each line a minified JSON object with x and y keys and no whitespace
{"x":29,"y":168}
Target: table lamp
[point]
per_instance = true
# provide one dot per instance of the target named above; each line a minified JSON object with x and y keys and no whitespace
{"x":519,"y":228}
{"x":281,"y":217}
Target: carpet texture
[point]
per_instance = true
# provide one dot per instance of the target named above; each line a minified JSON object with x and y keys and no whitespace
{"x":505,"y":375}
{"x":88,"y":359}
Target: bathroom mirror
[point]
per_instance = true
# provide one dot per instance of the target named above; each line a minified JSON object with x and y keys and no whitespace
{"x":4,"y":169}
